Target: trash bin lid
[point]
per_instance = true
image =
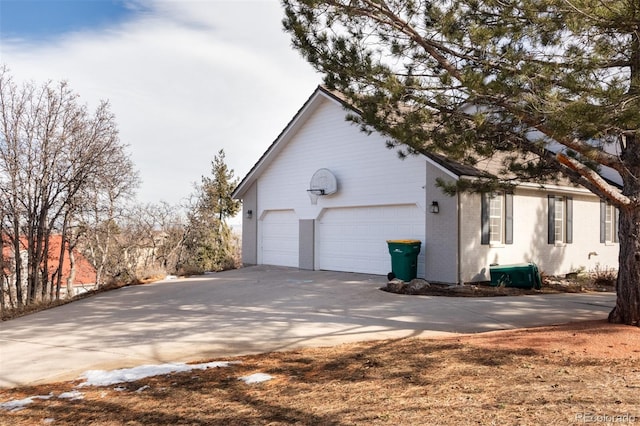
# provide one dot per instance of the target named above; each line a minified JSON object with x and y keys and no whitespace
{"x":404,"y":241}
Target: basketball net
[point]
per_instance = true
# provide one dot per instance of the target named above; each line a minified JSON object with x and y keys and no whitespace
{"x":313,"y":197}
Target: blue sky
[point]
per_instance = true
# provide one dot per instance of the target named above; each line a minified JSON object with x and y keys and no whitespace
{"x":40,"y":19}
{"x":184,"y":78}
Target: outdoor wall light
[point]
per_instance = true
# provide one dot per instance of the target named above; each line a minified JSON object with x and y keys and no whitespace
{"x":249,"y":214}
{"x":434,"y":208}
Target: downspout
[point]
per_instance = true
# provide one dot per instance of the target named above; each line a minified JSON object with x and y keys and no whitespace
{"x":459,"y":251}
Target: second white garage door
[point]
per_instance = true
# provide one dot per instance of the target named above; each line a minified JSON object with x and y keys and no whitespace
{"x":354,"y":239}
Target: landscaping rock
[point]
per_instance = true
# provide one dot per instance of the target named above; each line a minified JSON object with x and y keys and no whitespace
{"x":395,"y":286}
{"x":416,"y":286}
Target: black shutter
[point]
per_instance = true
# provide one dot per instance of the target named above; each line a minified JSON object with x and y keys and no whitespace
{"x":569,"y":222}
{"x":551,"y":212}
{"x":603,"y":221}
{"x":484,"y":218}
{"x":508,"y":223}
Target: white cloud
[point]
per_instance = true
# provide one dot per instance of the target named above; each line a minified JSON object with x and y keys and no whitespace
{"x":185,"y":79}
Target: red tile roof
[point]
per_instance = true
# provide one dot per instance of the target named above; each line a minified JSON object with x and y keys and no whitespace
{"x":85,"y":272}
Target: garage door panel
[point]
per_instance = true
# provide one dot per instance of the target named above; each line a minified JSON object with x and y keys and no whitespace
{"x":354,"y":239}
{"x":279,"y":244}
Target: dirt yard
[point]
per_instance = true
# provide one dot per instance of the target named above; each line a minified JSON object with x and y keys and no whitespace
{"x":571,"y":374}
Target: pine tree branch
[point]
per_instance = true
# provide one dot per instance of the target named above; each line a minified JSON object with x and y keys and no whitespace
{"x":369,"y":10}
{"x":602,"y":186}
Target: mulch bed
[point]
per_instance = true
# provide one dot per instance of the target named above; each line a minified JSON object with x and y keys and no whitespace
{"x":421,"y":287}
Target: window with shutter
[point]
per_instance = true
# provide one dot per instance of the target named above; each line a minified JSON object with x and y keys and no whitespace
{"x":560,"y":219}
{"x":608,"y":223}
{"x":497,"y":218}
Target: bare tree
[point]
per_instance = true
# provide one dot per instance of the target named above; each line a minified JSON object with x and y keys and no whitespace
{"x":154,"y":234}
{"x":53,"y":151}
{"x":104,"y":204}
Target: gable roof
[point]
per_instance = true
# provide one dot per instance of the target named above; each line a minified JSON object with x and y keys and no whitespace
{"x":322,"y":93}
{"x":276,"y":146}
{"x":490,"y":167}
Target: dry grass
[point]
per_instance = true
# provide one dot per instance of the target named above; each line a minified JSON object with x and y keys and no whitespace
{"x":549,"y":375}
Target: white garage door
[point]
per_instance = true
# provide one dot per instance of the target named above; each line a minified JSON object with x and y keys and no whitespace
{"x":355,"y":239}
{"x":279,"y":238}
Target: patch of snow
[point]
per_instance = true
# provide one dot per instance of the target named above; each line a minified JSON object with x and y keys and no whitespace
{"x":171,"y":277}
{"x":256,"y":378}
{"x":16,"y":404}
{"x":107,"y":378}
{"x":73,"y":395}
{"x":19,"y":404}
{"x":48,"y":421}
{"x":143,"y":388}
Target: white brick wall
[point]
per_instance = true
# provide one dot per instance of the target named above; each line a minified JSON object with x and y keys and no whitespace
{"x":530,"y":237}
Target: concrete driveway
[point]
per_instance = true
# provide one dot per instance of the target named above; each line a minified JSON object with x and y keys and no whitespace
{"x":255,"y":309}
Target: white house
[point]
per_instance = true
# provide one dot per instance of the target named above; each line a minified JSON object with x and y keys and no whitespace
{"x":379,"y":197}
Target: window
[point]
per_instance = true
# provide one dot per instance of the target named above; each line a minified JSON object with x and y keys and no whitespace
{"x":496,"y":215}
{"x":560,"y":220}
{"x":497,"y":218}
{"x":609,"y":217}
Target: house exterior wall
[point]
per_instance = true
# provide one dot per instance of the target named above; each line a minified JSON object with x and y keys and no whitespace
{"x":250,"y":226}
{"x":368,"y":173}
{"x":441,"y":243}
{"x":375,"y":190}
{"x":530,"y":237}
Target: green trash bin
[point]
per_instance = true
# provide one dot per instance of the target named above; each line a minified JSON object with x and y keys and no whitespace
{"x":522,"y":275}
{"x":404,"y":258}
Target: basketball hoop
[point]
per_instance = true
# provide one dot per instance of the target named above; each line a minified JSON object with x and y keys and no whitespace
{"x":323,"y":182}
